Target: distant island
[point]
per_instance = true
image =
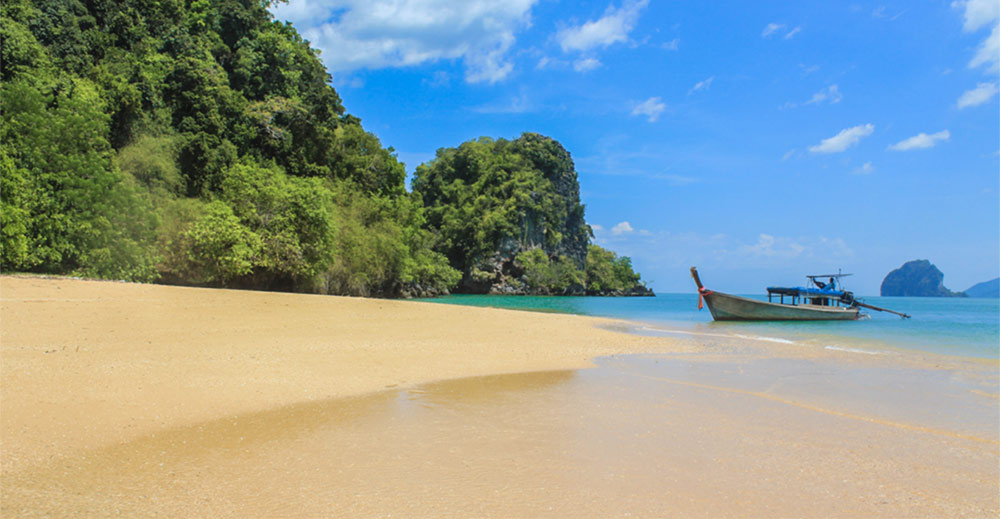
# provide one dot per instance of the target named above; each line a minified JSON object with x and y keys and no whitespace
{"x":917,"y":278}
{"x":989,"y":288}
{"x":202,"y":144}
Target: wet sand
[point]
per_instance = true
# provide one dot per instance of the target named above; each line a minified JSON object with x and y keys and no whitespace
{"x":138,"y":400}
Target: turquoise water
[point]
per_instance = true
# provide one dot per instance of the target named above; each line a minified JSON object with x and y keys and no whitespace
{"x":967,"y":327}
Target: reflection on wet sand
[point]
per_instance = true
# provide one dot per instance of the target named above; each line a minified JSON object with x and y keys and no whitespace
{"x":645,"y":436}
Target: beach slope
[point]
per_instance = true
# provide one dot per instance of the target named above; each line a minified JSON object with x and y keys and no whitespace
{"x":87,"y":363}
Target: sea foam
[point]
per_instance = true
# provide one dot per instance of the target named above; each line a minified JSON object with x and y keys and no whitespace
{"x":853,"y":350}
{"x":722,"y":335}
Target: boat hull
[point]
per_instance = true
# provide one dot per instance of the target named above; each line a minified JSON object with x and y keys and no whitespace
{"x":726,"y":307}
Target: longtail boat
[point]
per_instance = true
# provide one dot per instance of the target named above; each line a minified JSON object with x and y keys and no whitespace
{"x":824,"y":301}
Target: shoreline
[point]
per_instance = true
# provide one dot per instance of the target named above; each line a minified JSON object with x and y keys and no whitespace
{"x":881,"y":352}
{"x":100,"y":379}
{"x":966,"y":330}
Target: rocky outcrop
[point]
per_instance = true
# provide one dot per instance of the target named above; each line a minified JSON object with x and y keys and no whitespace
{"x":989,"y":289}
{"x":917,"y":278}
{"x":516,"y":288}
{"x":488,"y":201}
{"x":554,"y":209}
{"x":416,"y":290}
{"x":636,"y":291}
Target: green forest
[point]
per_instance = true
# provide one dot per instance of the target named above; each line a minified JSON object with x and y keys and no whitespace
{"x":200,"y":143}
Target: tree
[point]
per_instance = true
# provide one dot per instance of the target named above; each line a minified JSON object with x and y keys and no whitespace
{"x":70,"y":204}
{"x":607,"y":272}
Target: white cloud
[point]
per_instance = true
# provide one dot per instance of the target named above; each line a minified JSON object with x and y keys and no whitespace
{"x":770,"y":29}
{"x":978,"y":13}
{"x":989,"y":52}
{"x":597,"y":228}
{"x":830,"y":93}
{"x":518,"y":104}
{"x":771,"y":249}
{"x":788,"y":154}
{"x":879,"y":12}
{"x":676,"y":251}
{"x":702,"y":85}
{"x":808,"y":70}
{"x":439,"y":79}
{"x":843,"y":140}
{"x":768,"y":246}
{"x":651,"y":108}
{"x":584,"y":65}
{"x":621,"y":228}
{"x":373,"y":34}
{"x":611,"y":28}
{"x":977,"y":96}
{"x":921,"y":140}
{"x":672,"y":44}
{"x":547,"y":63}
{"x":675,"y":180}
{"x":864,"y":169}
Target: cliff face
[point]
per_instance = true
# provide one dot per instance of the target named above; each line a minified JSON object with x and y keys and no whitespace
{"x":917,"y":278}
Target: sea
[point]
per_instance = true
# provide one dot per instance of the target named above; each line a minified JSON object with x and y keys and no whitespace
{"x":963,"y":327}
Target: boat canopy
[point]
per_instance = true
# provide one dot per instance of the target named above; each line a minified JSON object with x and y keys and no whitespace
{"x":805,"y":292}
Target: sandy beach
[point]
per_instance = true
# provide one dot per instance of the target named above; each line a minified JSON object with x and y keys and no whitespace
{"x":89,"y":363}
{"x":130,"y":399}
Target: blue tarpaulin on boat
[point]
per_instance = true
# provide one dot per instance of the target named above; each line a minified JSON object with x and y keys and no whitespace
{"x":805,"y":291}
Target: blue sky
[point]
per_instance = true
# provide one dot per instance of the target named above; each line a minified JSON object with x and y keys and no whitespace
{"x":760,"y":141}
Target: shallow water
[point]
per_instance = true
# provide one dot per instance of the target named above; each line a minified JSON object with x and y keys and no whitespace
{"x":721,"y":434}
{"x":967,"y":327}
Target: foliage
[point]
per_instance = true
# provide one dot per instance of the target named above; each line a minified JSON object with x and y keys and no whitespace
{"x":545,"y":275}
{"x":199,"y":142}
{"x":290,"y":217}
{"x":509,"y":196}
{"x":69,"y":208}
{"x":153,"y":162}
{"x":381,"y":247}
{"x":15,"y":227}
{"x":607,"y":272}
{"x":509,"y":212}
{"x":218,"y":247}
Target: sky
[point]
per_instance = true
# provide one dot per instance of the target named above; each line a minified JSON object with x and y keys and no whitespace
{"x":758,"y":141}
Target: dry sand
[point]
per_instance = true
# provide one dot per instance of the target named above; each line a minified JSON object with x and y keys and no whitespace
{"x":87,"y":364}
{"x":139,"y":400}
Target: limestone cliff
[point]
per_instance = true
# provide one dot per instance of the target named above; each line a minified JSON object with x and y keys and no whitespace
{"x":917,"y":278}
{"x":490,"y":200}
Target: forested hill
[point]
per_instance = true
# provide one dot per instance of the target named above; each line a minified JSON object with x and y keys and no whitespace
{"x":199,"y":142}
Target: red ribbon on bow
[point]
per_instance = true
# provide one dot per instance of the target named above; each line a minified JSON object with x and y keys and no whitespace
{"x":702,"y":292}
